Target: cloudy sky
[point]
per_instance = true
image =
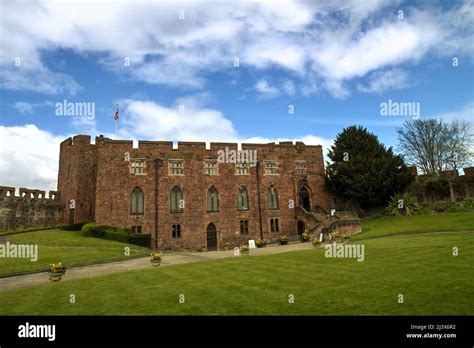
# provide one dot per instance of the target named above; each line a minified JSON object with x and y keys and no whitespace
{"x":231,"y":71}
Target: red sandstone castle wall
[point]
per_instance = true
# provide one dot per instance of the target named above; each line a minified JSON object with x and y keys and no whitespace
{"x":111,"y":194}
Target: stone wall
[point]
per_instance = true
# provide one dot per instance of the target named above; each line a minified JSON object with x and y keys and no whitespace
{"x":29,"y":209}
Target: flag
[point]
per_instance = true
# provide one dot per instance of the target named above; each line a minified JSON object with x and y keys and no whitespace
{"x":116,"y":117}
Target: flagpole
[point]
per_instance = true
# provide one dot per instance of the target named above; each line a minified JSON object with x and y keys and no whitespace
{"x":116,"y":130}
{"x":116,"y":118}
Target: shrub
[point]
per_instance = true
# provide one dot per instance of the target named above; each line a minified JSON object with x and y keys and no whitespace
{"x":73,"y":227}
{"x":468,"y":203}
{"x":110,"y":233}
{"x":140,"y":239}
{"x":403,"y":204}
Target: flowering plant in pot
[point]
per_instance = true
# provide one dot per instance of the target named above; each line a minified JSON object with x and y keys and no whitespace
{"x":260,"y":243}
{"x":316,"y":242}
{"x":56,"y":271}
{"x":244,"y":250}
{"x":305,"y":237}
{"x":283,"y":240}
{"x":155,"y":258}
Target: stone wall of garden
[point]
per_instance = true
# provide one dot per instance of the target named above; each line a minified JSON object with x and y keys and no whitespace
{"x":31,"y":208}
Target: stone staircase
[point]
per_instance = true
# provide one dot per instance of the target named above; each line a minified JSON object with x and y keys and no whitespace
{"x":317,"y":222}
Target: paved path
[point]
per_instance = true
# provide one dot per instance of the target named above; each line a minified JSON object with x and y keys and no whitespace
{"x":172,"y":258}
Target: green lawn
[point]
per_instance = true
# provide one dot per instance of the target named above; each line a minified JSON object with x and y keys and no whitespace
{"x":394,"y":225}
{"x":70,"y":248}
{"x":421,"y":267}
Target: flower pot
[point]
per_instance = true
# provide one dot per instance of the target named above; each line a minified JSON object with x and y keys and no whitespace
{"x":155,"y":262}
{"x":55,"y":277}
{"x":285,"y":242}
{"x":245,"y":253}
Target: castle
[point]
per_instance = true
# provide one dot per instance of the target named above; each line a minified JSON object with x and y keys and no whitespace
{"x":194,"y":197}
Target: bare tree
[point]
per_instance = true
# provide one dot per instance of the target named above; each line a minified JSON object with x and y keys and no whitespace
{"x":437,"y":147}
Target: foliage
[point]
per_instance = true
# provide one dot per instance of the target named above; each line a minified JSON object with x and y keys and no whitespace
{"x":436,"y":146}
{"x":123,"y":235}
{"x":363,"y":170}
{"x":73,"y":227}
{"x":403,"y":204}
{"x":316,"y":241}
{"x":244,"y":249}
{"x":156,"y":256}
{"x":283,"y":239}
{"x":305,"y":236}
{"x":57,"y":268}
{"x":260,"y":243}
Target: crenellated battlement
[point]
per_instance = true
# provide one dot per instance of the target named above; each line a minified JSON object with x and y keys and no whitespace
{"x":184,"y":145}
{"x":26,"y":193}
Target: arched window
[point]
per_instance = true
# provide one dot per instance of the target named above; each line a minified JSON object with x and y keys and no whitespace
{"x":242,"y":199}
{"x":136,"y":201}
{"x":272,"y":198}
{"x":176,"y":200}
{"x":212,"y":200}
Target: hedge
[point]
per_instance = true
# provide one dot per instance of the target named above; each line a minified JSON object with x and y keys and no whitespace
{"x":115,"y":233}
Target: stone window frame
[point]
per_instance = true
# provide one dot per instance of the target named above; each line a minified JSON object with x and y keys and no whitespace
{"x":244,"y":227}
{"x":273,"y":199}
{"x":137,"y":229}
{"x":242,"y":168}
{"x":206,"y":168}
{"x":171,"y":168}
{"x":274,"y":225}
{"x":267,"y":169}
{"x":300,"y":167}
{"x":132,"y":167}
{"x":176,"y":230}
{"x":179,"y":194}
{"x":242,"y":198}
{"x":212,"y":206}
{"x":137,"y":194}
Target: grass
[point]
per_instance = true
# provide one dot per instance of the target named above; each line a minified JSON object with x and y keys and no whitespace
{"x":395,"y":225}
{"x":421,"y":267}
{"x":68,"y":247}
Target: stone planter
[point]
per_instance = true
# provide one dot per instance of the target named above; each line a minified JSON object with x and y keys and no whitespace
{"x":55,"y":277}
{"x":283,"y":242}
{"x":155,"y":262}
{"x":245,"y":253}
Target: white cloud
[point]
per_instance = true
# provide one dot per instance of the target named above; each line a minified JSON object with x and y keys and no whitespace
{"x":23,"y":107}
{"x":328,"y":42}
{"x":466,"y":112}
{"x":264,"y":89}
{"x":381,"y":81}
{"x":144,"y":119}
{"x":29,"y":157}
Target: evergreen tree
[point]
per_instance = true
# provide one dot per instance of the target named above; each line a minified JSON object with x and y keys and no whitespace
{"x":363,"y":170}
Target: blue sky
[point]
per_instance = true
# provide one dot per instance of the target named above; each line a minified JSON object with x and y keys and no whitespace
{"x":334,"y":62}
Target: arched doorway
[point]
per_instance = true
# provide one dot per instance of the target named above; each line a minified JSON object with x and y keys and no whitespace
{"x":211,"y":237}
{"x":304,"y":198}
{"x":301,"y":227}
